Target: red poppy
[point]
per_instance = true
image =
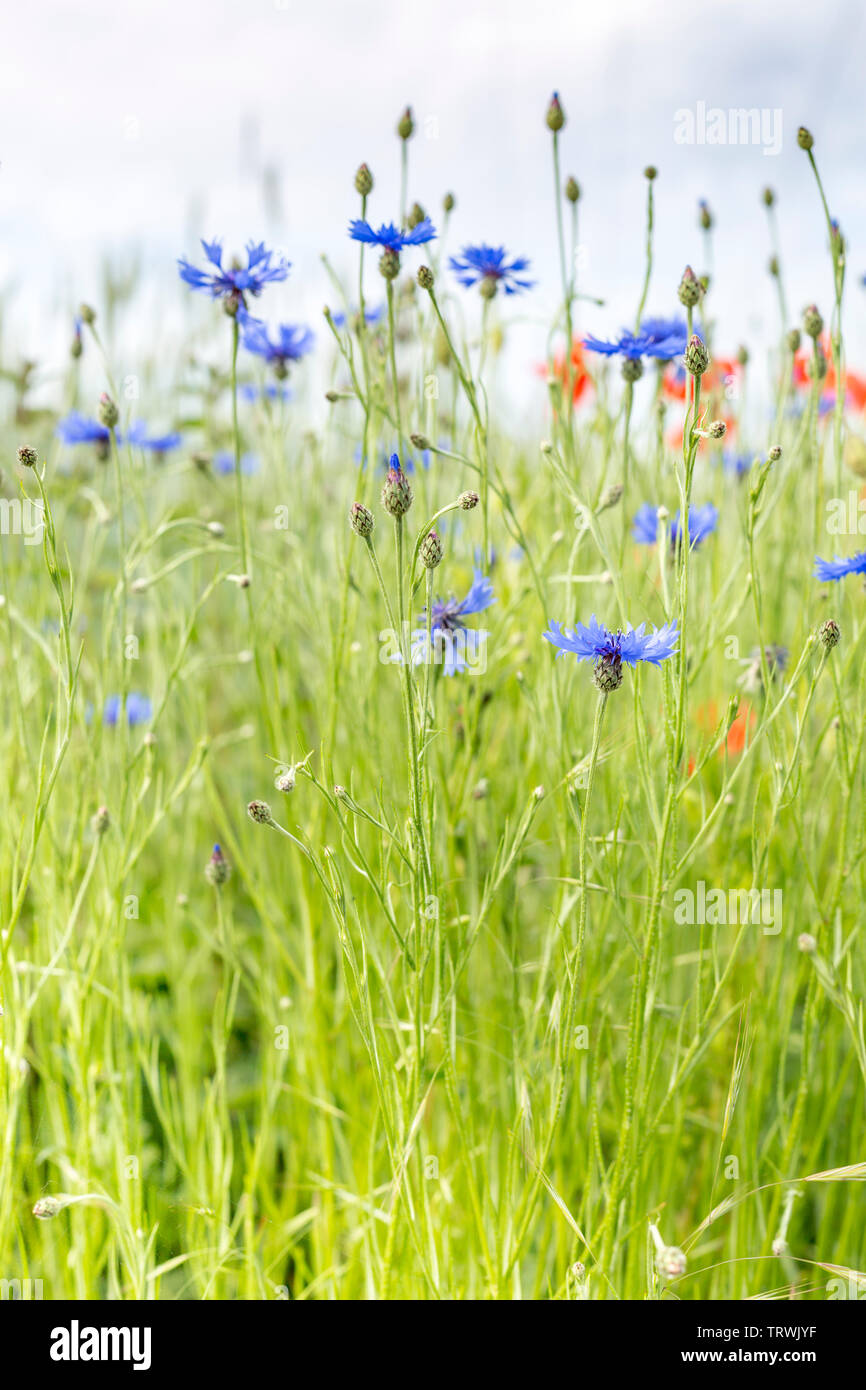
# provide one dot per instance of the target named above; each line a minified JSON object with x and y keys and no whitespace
{"x":855,"y":385}
{"x":575,"y":372}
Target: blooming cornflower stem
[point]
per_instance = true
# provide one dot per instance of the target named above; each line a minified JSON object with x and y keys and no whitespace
{"x":835,"y":328}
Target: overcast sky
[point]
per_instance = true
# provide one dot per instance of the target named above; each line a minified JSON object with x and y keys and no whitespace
{"x":137,"y":126}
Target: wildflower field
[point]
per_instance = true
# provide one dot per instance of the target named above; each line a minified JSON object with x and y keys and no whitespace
{"x":433,"y":859}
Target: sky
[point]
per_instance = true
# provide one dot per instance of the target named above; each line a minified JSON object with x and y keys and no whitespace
{"x":128,"y":130}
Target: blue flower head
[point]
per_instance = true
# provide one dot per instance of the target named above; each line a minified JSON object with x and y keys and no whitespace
{"x":659,"y":338}
{"x":233,"y":284}
{"x":610,"y":650}
{"x":390,"y":237}
{"x":140,"y":437}
{"x":224,"y":462}
{"x":825,"y":570}
{"x":138,"y":709}
{"x":454,"y":645}
{"x":79,"y":429}
{"x":737,"y":464}
{"x":371,"y":316}
{"x":291,"y":342}
{"x":490,"y":266}
{"x":702,"y":522}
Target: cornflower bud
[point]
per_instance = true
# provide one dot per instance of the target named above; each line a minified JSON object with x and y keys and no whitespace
{"x":431,"y":550}
{"x":769,"y":197}
{"x":396,"y":490}
{"x":406,"y":124}
{"x":420,"y":441}
{"x":805,"y":138}
{"x":217,"y":868}
{"x":793,"y":340}
{"x":697,"y":359}
{"x":363,"y":181}
{"x":555,"y":116}
{"x":108,"y":414}
{"x":829,"y":634}
{"x":812,"y":321}
{"x":705,"y":217}
{"x":361,"y":519}
{"x":416,"y":215}
{"x":743,"y":356}
{"x":650,"y":173}
{"x":27,"y":457}
{"x":100,"y":821}
{"x":468,"y":501}
{"x":572,"y":190}
{"x":426,"y":278}
{"x":260,"y":812}
{"x":610,"y":496}
{"x":717,"y":429}
{"x":774,"y":453}
{"x":773,"y":266}
{"x":449,"y":202}
{"x":389,"y":264}
{"x":86,"y":314}
{"x":689,"y":291}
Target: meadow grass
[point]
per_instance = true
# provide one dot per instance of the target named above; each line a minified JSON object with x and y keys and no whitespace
{"x":442,"y":1032}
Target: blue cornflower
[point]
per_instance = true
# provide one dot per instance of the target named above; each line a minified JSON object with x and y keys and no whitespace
{"x":738,"y":464}
{"x":371,"y":316}
{"x":836,"y":568}
{"x":702,"y":522}
{"x":291,"y":343}
{"x":390,"y":237}
{"x":489,"y":266}
{"x":233,"y":284}
{"x":645,"y":525}
{"x":267,"y":392}
{"x":608,"y":650}
{"x":138,"y":708}
{"x":634,"y":346}
{"x":138,"y":435}
{"x":79,"y":429}
{"x":669,"y":336}
{"x":454,"y":645}
{"x":224,"y":462}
